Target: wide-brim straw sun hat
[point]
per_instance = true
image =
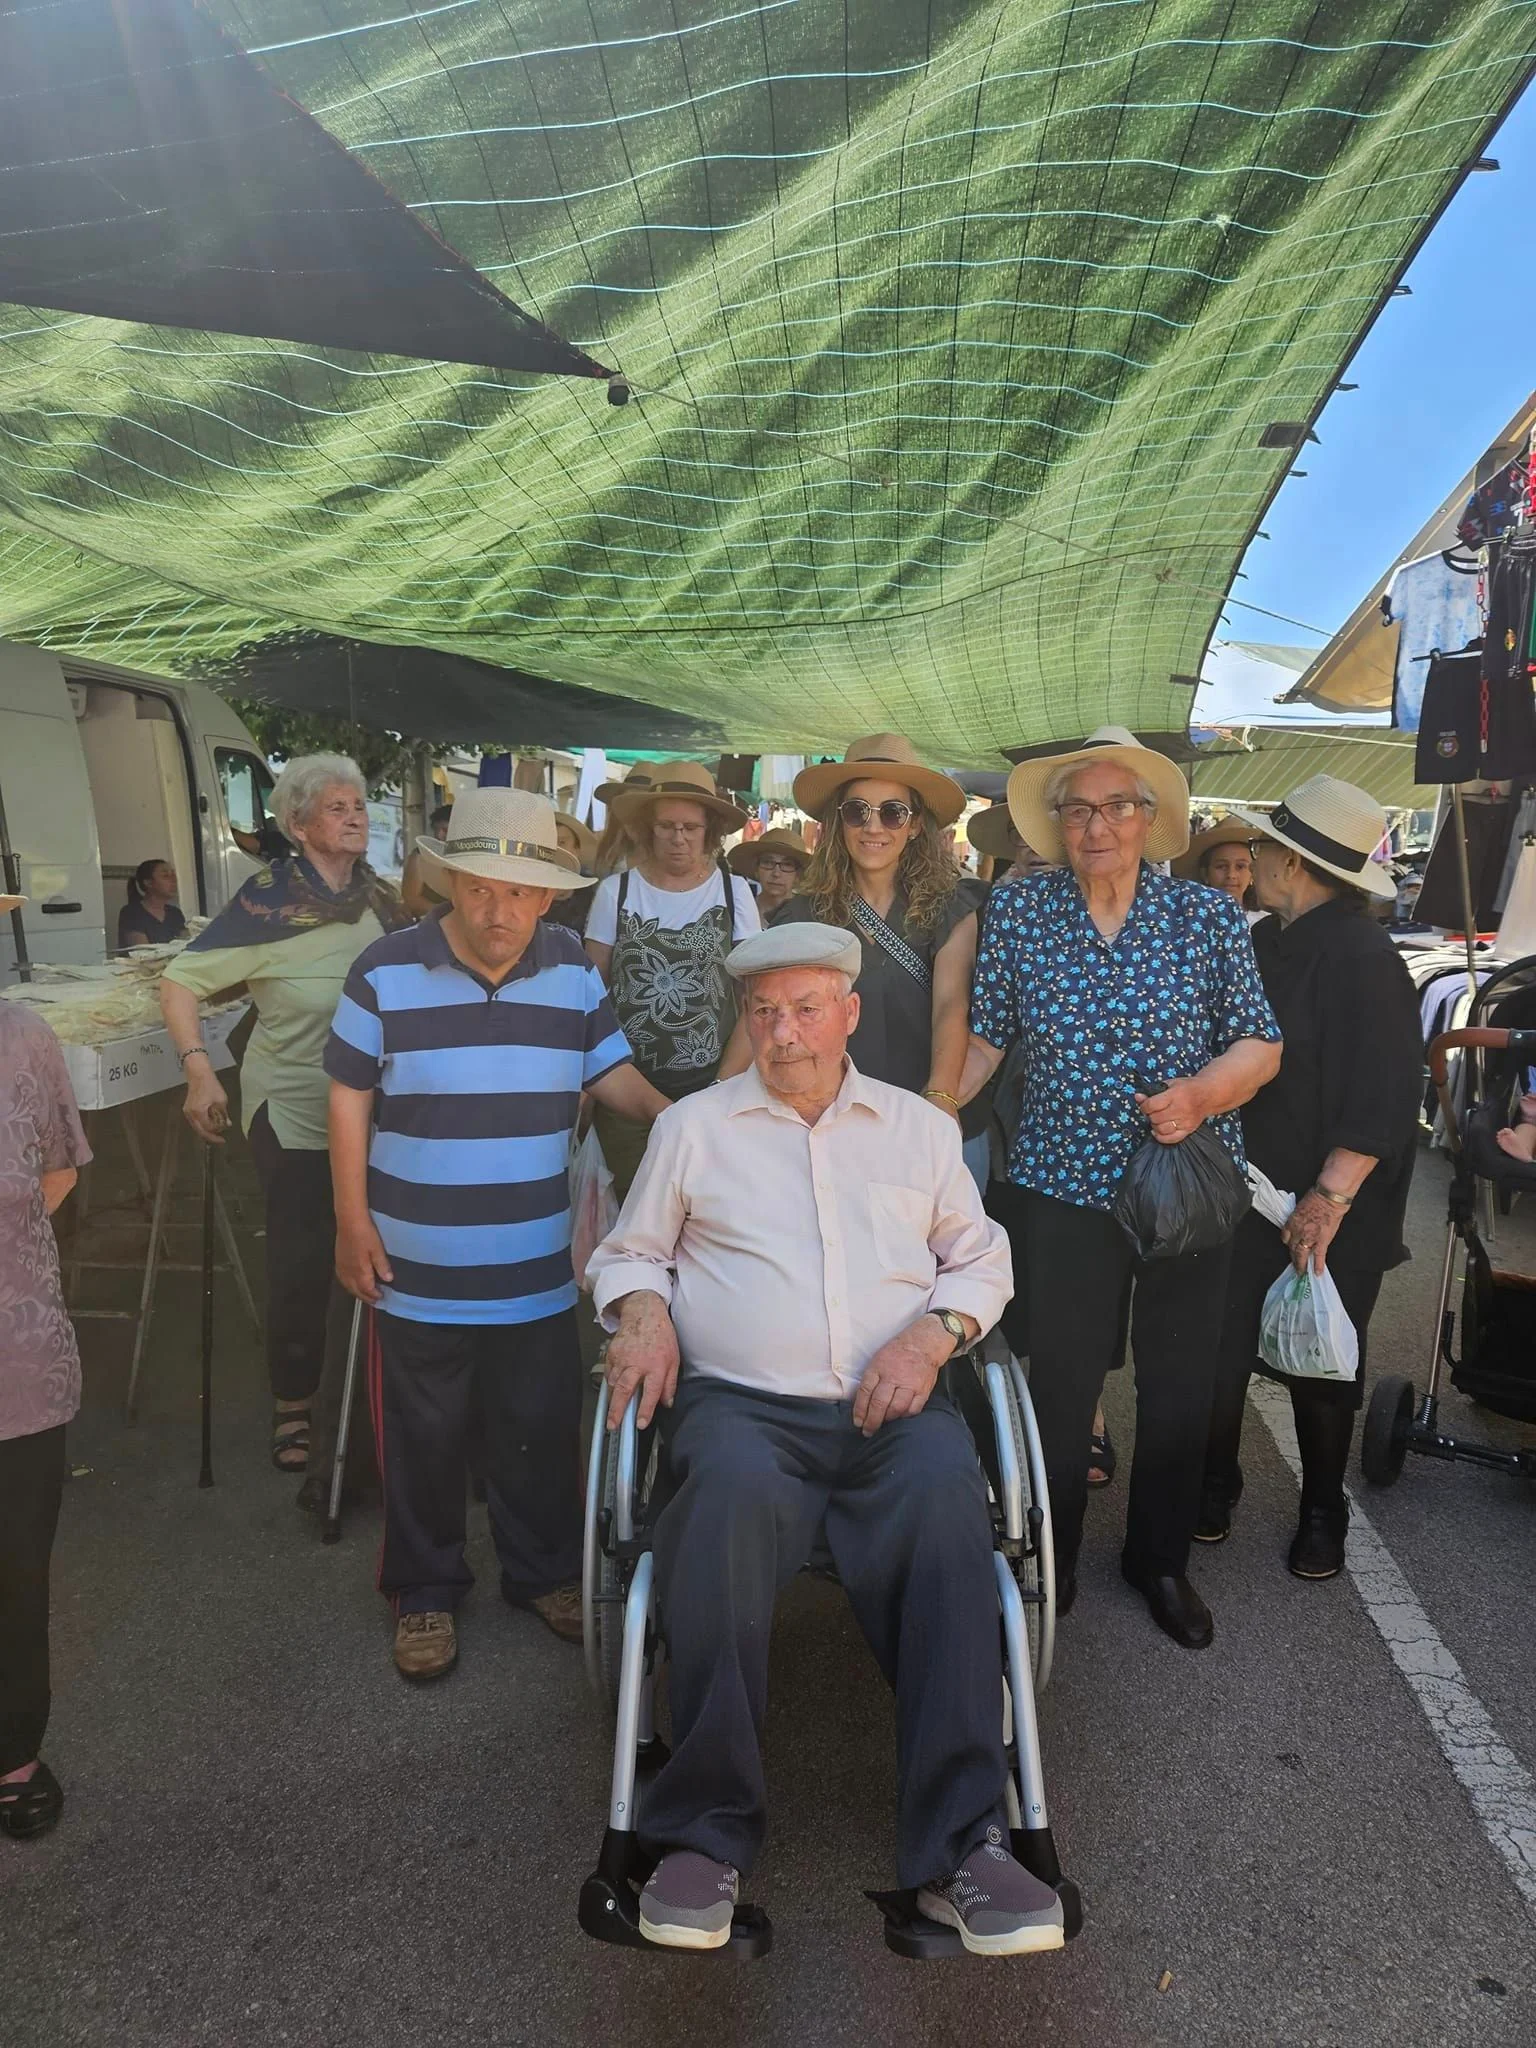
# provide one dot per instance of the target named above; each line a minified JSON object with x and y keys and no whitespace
{"x":1335,"y":826}
{"x":880,"y":757}
{"x":1036,"y":821}
{"x":689,"y":779}
{"x":988,"y":831}
{"x":1231,"y":830}
{"x":746,"y":858}
{"x":585,"y":837}
{"x":502,"y":835}
{"x":639,"y":777}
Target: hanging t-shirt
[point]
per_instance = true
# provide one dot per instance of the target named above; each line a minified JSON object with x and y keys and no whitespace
{"x":1495,"y":506}
{"x":1435,"y":608}
{"x":673,"y":909}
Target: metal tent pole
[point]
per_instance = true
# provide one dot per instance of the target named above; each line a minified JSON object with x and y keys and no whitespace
{"x":10,"y":885}
{"x":1468,"y":908}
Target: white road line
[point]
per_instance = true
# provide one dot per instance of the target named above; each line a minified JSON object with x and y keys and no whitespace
{"x":1501,"y":1789}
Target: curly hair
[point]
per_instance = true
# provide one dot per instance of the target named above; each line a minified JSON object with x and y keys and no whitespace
{"x":926,"y":875}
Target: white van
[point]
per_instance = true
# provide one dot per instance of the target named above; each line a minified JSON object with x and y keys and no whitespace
{"x":100,"y":769}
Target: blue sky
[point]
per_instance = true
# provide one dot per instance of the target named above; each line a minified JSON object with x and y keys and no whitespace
{"x":1439,"y":374}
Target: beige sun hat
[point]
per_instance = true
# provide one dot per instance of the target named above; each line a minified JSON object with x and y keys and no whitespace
{"x":989,"y":831}
{"x":1335,"y":826}
{"x":1036,"y":822}
{"x":880,"y":757}
{"x":1232,"y":830}
{"x":675,"y":778}
{"x":503,"y":835}
{"x":744,"y":859}
{"x":584,"y":836}
{"x":9,"y":903}
{"x":639,"y":777}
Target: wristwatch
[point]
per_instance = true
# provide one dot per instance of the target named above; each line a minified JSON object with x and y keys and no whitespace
{"x":955,"y":1326}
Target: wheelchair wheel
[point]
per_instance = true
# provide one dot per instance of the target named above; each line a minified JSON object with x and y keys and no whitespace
{"x":1026,"y":1569}
{"x":1388,"y":1425}
{"x":610,"y":1585}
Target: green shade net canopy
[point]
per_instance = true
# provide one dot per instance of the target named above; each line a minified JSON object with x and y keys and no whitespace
{"x":967,"y":343}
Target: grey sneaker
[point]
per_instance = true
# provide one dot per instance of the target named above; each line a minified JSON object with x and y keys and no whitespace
{"x":995,"y":1905}
{"x":688,"y":1902}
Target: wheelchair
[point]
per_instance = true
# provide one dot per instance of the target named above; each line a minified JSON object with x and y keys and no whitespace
{"x":624,"y":1641}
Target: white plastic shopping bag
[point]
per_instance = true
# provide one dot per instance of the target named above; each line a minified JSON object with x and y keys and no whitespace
{"x":1303,"y":1328}
{"x":594,"y":1208}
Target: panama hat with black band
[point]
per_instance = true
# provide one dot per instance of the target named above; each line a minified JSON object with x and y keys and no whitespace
{"x":1336,"y":827}
{"x":746,"y":858}
{"x":503,"y":835}
{"x":880,"y":757}
{"x":1168,"y":834}
{"x":690,"y":779}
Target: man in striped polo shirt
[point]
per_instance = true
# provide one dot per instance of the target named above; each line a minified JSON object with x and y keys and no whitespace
{"x":457,"y":1057}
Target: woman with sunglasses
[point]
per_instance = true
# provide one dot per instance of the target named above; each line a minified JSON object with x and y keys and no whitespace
{"x":880,"y":869}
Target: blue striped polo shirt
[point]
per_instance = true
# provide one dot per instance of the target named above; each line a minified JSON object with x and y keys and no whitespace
{"x":476,"y":1088}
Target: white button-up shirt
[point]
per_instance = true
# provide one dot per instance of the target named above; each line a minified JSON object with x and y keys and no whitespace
{"x":788,"y":1252}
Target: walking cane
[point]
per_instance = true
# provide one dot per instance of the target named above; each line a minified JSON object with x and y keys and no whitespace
{"x":330,"y":1531}
{"x":205,"y":1476}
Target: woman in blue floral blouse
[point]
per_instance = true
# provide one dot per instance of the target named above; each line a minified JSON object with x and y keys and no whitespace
{"x":1118,"y":981}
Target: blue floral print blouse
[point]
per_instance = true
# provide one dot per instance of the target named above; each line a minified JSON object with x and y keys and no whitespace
{"x":1176,"y":986}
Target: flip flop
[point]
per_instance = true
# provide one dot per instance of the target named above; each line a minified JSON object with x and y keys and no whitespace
{"x":1101,"y":1459}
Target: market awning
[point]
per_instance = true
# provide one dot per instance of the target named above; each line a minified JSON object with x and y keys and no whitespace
{"x":1261,"y":764}
{"x":967,"y":342}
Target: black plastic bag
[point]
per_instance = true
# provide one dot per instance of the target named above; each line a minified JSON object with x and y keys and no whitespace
{"x":1187,"y":1197}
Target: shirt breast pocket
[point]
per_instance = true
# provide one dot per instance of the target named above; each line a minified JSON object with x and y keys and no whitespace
{"x":900,"y":1220}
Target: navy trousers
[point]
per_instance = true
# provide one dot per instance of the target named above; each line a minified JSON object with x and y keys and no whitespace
{"x":757,"y":1476}
{"x":529,"y":1380}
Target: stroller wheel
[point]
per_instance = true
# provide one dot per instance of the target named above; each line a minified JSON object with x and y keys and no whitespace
{"x":1388,"y":1423}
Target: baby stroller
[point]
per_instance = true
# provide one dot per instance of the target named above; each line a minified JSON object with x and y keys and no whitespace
{"x":1496,"y":1363}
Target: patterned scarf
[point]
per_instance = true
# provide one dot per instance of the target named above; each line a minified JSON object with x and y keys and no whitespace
{"x":289,"y":898}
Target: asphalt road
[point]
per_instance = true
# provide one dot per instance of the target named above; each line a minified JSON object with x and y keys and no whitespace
{"x":270,"y":1838}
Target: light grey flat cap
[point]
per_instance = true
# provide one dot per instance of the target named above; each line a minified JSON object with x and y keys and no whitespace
{"x":795,"y":945}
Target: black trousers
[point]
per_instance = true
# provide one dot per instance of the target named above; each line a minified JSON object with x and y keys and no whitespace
{"x":529,"y":1380}
{"x":301,"y":1259}
{"x":757,"y":1475}
{"x":1324,"y":1410}
{"x":1081,"y":1272}
{"x":31,"y":1484}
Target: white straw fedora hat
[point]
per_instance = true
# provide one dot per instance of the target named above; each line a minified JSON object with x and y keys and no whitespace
{"x":503,"y":835}
{"x":880,"y":757}
{"x":1335,"y":826}
{"x":675,"y":778}
{"x":1232,"y":830}
{"x":1036,"y":821}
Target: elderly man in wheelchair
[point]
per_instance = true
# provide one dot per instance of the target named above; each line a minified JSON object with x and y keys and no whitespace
{"x":800,"y":1256}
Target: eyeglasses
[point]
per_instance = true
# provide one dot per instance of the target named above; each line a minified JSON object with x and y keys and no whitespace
{"x":778,"y":864}
{"x":1119,"y":810}
{"x":892,"y":815}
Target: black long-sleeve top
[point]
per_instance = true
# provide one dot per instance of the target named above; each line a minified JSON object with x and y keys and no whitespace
{"x":1351,"y":1074}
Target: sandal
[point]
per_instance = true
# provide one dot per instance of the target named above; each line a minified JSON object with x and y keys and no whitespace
{"x":30,"y":1806}
{"x":1101,"y":1459}
{"x":290,"y":1439}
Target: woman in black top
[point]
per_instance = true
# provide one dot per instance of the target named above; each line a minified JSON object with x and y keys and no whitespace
{"x":151,"y":916}
{"x":881,"y":869}
{"x":1337,"y":1128}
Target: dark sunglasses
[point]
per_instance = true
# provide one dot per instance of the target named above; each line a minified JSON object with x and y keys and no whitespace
{"x":858,"y":811}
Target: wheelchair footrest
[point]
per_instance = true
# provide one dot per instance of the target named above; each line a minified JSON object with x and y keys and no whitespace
{"x":609,"y":1907}
{"x":912,"y":1934}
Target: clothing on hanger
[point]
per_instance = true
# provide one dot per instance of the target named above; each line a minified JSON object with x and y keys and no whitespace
{"x":1488,"y":828}
{"x":1433,"y":603}
{"x":1472,"y":727}
{"x":1495,"y":506}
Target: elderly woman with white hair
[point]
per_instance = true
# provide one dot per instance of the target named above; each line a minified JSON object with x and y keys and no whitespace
{"x":1139,"y":1005}
{"x":287,"y":938}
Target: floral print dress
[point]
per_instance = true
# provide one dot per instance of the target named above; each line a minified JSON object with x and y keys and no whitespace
{"x":40,"y":1132}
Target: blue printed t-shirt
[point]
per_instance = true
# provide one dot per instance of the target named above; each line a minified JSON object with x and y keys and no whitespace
{"x":476,"y":1088}
{"x":1175,"y":987}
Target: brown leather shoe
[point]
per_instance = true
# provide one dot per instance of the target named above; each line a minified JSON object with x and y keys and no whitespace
{"x":560,"y":1611}
{"x":426,"y":1645}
